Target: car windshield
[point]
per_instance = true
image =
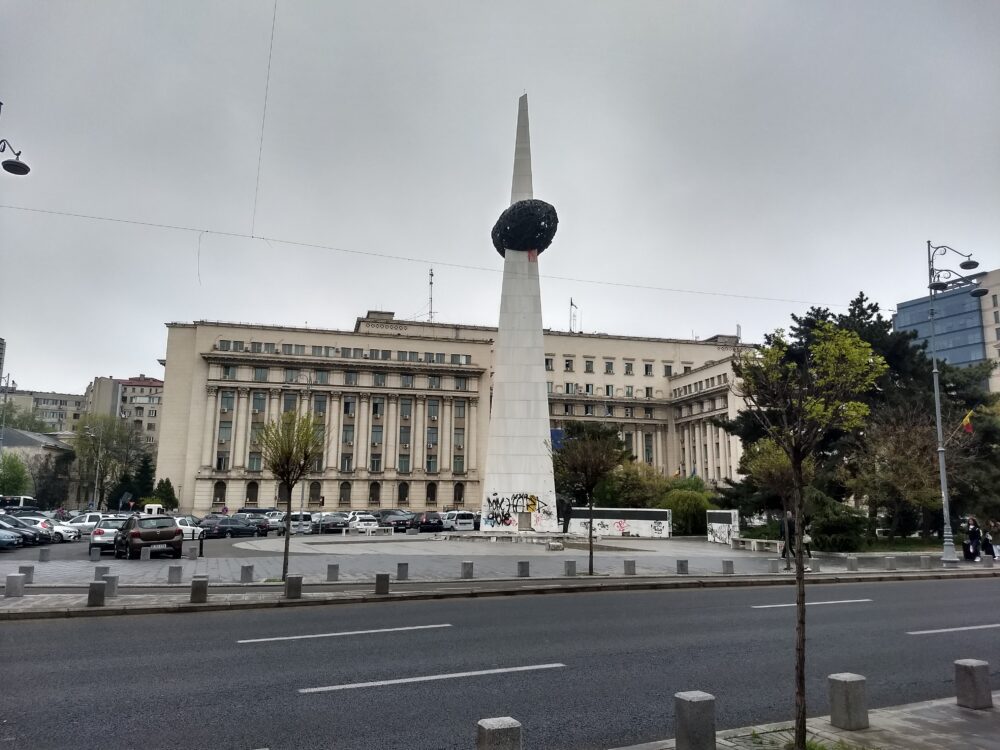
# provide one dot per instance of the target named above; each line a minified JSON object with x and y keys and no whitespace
{"x":156,"y":523}
{"x":111,"y":523}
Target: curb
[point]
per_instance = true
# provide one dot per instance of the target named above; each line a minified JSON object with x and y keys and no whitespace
{"x":619,"y":584}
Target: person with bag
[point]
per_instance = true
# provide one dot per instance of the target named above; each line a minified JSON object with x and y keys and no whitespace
{"x":988,"y":536}
{"x":975,"y":536}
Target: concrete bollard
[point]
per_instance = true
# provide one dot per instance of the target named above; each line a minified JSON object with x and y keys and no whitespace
{"x":100,"y":571}
{"x":382,"y":584}
{"x":402,"y":571}
{"x":145,"y":553}
{"x":852,"y":564}
{"x":28,"y":571}
{"x":774,"y":565}
{"x":199,"y":589}
{"x":501,"y":733}
{"x":14,"y":587}
{"x":96,"y":593}
{"x":467,"y":569}
{"x":682,"y":567}
{"x":972,"y":684}
{"x":332,"y":572}
{"x":174,"y":574}
{"x":694,"y":720}
{"x":728,"y":568}
{"x":192,"y":552}
{"x":569,"y":568}
{"x":890,"y":563}
{"x":95,"y":554}
{"x":630,"y":567}
{"x":112,"y":586}
{"x":293,"y":587}
{"x":246,"y":574}
{"x":925,"y":562}
{"x":44,"y":555}
{"x":523,"y":569}
{"x":815,"y":564}
{"x":848,"y":701}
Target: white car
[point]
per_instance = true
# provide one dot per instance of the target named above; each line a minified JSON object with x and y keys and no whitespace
{"x":363,"y":521}
{"x":86,"y":522}
{"x":61,"y":532}
{"x":276,"y":521}
{"x":189,"y":527}
{"x":458,"y":520}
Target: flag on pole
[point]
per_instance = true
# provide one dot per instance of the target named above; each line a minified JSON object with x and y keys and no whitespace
{"x":967,"y":422}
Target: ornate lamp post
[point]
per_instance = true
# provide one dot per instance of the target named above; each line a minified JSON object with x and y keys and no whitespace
{"x":15,"y":166}
{"x":945,"y":280}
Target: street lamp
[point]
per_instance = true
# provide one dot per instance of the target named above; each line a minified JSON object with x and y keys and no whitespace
{"x":945,"y":280}
{"x":15,"y":166}
{"x":97,"y":468}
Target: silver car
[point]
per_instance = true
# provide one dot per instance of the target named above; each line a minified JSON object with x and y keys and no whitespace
{"x":60,"y":531}
{"x":103,"y":535}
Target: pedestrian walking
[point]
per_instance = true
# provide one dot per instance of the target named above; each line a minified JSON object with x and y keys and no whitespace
{"x":989,"y":534}
{"x":788,"y":535}
{"x":975,"y":536}
{"x":807,"y":539}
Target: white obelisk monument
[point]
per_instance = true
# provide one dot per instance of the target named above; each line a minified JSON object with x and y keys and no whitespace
{"x":518,"y":482}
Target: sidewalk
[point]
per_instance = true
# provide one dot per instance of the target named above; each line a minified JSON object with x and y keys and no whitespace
{"x":931,"y":725}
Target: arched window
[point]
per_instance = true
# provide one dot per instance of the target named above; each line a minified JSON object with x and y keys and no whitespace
{"x":374,"y":493}
{"x":219,"y":493}
{"x":345,"y":493}
{"x":459,"y":493}
{"x":314,"y":490}
{"x":432,"y":493}
{"x":253,"y":489}
{"x":404,"y":493}
{"x":284,"y":494}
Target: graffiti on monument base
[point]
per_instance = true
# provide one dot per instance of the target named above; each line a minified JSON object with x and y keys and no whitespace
{"x":502,"y":511}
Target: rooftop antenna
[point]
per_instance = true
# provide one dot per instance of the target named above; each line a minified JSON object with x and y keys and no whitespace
{"x":572,"y":307}
{"x":430,"y":315}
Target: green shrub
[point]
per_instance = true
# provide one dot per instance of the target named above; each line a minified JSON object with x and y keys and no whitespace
{"x":837,"y":528}
{"x":688,"y":508}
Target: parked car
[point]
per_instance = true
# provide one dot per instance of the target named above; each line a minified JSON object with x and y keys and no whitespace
{"x":216,"y":528}
{"x":255,"y":519}
{"x":159,"y":533}
{"x":276,"y":521}
{"x":189,"y":525}
{"x":61,"y":532}
{"x":86,"y":522}
{"x":328,"y":523}
{"x":430,"y":521}
{"x":398,"y":521}
{"x":302,"y":523}
{"x":103,"y":535}
{"x":459,"y":520}
{"x":364,"y":521}
{"x":10,"y":540}
{"x":44,"y":532}
{"x":27,"y":533}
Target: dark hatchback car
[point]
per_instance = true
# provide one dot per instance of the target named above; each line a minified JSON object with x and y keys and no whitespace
{"x":430,"y":521}
{"x":398,"y":521}
{"x":217,"y":528}
{"x":158,"y":533}
{"x":255,"y":519}
{"x":29,"y":535}
{"x":330,"y":523}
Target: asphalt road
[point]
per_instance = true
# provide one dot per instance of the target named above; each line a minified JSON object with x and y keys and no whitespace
{"x":174,"y":680}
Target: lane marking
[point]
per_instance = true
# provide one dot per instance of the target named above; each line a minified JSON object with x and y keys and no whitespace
{"x":951,"y":630}
{"x":337,"y":635}
{"x":428,"y":678}
{"x":810,"y":604}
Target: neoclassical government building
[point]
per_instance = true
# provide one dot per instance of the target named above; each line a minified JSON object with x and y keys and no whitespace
{"x":406,"y":405}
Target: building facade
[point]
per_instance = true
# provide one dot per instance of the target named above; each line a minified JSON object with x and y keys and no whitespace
{"x":62,"y":412}
{"x":137,"y":401}
{"x":405,"y":407}
{"x":967,"y":329}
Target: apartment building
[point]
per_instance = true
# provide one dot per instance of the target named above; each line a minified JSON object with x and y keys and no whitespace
{"x":60,"y":411}
{"x":136,"y":400}
{"x":405,"y":407}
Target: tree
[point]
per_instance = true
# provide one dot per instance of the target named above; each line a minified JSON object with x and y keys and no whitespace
{"x":289,"y":446}
{"x":123,"y":493}
{"x":14,"y":476}
{"x":164,"y":494}
{"x":51,"y":475}
{"x":799,"y":395}
{"x":107,"y":448}
{"x":688,"y":510}
{"x":11,"y":415}
{"x":145,"y":473}
{"x":632,"y":485}
{"x":589,"y":452}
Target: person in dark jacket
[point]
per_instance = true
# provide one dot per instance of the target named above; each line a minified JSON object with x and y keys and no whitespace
{"x":788,"y":535}
{"x":975,"y":535}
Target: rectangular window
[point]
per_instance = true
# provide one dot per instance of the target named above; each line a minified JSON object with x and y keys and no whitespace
{"x":570,"y":389}
{"x":255,"y":429}
{"x":386,"y":354}
{"x":222,"y":461}
{"x":588,"y":410}
{"x":378,"y":379}
{"x":254,"y":463}
{"x":647,"y":412}
{"x":439,"y":358}
{"x":428,"y":356}
{"x":628,"y":391}
{"x":567,"y":408}
{"x":256,"y":347}
{"x":434,"y":382}
{"x":649,"y":391}
{"x":317,"y":466}
{"x":456,"y":359}
{"x":291,"y":375}
{"x":628,"y":368}
{"x":317,"y":351}
{"x":548,"y":387}
{"x":548,"y":364}
{"x":432,"y":436}
{"x":405,"y":408}
{"x":995,"y":301}
{"x":350,"y":378}
{"x":996,"y":316}
{"x":376,"y":462}
{"x":323,"y":377}
{"x":259,"y":402}
{"x":228,"y":372}
{"x":289,"y":401}
{"x":404,"y":463}
{"x":401,"y":356}
{"x":589,"y":389}
{"x":348,"y":434}
{"x":346,"y":462}
{"x":152,"y":413}
{"x":668,"y":370}
{"x":568,"y":365}
{"x":404,"y":435}
{"x":269,"y":348}
{"x":609,"y":367}
{"x":609,"y":390}
{"x":609,"y":410}
{"x":377,"y":435}
{"x":432,"y":464}
{"x":588,"y":365}
{"x":300,"y":349}
{"x":647,"y":369}
{"x":406,"y":380}
{"x":433,"y":408}
{"x":237,"y":346}
{"x":350,"y":405}
{"x":647,"y":447}
{"x":687,"y":368}
{"x":228,"y":401}
{"x":460,"y":408}
{"x":458,"y":464}
{"x":150,"y":426}
{"x":260,"y":374}
{"x":319,"y":404}
{"x":224,"y":345}
{"x":286,"y":349}
{"x":414,"y":357}
{"x":378,"y":407}
{"x":459,"y":437}
{"x":461,"y":384}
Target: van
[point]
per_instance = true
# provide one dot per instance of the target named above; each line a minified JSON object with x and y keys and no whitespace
{"x":302,"y":523}
{"x":154,"y":509}
{"x":464,"y":520}
{"x":16,"y":501}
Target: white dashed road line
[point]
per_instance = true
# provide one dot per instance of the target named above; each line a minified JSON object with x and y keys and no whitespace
{"x":952,"y":630}
{"x":347,"y":632}
{"x":428,"y":678}
{"x":809,"y":604}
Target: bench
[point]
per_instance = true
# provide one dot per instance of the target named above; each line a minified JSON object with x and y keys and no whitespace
{"x":756,"y":545}
{"x":375,"y":530}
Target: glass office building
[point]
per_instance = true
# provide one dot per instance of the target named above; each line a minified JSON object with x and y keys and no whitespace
{"x":959,"y":326}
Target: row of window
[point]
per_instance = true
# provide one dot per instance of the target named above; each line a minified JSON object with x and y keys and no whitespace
{"x":587,"y":389}
{"x":375,"y":463}
{"x":290,"y":402}
{"x":701,"y":385}
{"x":606,"y":410}
{"x":55,"y":402}
{"x":260,"y":347}
{"x":139,"y":412}
{"x":698,"y":407}
{"x":345,"y":491}
{"x":569,"y":365}
{"x":350,"y":377}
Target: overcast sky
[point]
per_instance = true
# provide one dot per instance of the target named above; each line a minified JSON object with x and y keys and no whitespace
{"x":793,"y":150}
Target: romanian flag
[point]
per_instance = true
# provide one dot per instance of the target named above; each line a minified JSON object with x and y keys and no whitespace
{"x":967,"y":422}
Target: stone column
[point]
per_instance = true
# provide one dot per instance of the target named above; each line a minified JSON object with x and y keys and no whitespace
{"x":391,"y":432}
{"x":444,"y":433}
{"x":657,"y":448}
{"x":241,"y":427}
{"x":710,"y":437}
{"x":305,"y":402}
{"x":211,"y":428}
{"x":274,"y":405}
{"x":335,"y":410}
{"x":362,"y":438}
{"x":418,"y":444}
{"x":472,"y":434}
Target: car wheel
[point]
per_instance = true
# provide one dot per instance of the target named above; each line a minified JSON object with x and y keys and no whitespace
{"x":119,"y":554}
{"x":178,"y":553}
{"x":132,"y":554}
{"x":229,"y":535}
{"x":58,"y":537}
